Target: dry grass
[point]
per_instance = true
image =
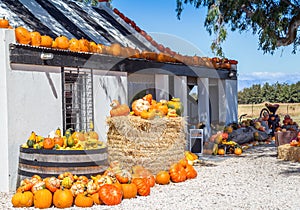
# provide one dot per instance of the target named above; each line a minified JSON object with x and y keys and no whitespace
{"x":253,"y":110}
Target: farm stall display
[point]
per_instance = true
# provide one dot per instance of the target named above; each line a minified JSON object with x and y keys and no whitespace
{"x":38,"y":81}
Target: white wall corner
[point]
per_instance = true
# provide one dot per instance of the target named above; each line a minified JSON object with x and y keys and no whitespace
{"x":203,"y":104}
{"x":162,"y":85}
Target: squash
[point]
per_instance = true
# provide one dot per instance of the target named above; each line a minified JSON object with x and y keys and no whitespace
{"x":42,"y":199}
{"x":118,"y":109}
{"x":25,"y":185}
{"x":115,"y":49}
{"x":63,"y":198}
{"x":191,"y":173}
{"x":39,"y":185}
{"x":22,"y":35}
{"x":84,"y":45}
{"x":177,"y":105}
{"x":96,"y":199}
{"x":148,"y":114}
{"x":52,"y":183}
{"x":22,"y":199}
{"x":238,"y":151}
{"x":139,"y":105}
{"x":221,"y":151}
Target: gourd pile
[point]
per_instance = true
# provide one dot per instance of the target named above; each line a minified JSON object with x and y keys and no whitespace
{"x":78,"y":140}
{"x":148,"y":108}
{"x":34,"y":38}
{"x":110,"y":188}
{"x":222,"y":145}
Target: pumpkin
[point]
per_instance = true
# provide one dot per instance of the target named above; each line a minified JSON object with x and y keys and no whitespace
{"x":110,"y":194}
{"x":177,"y":173}
{"x":94,"y":48}
{"x":151,"y":180}
{"x":148,"y":114}
{"x":143,"y":188}
{"x":82,"y":180}
{"x":221,"y":151}
{"x":4,"y":23}
{"x":84,"y":45}
{"x":22,"y":35}
{"x":191,"y":173}
{"x":162,"y":177}
{"x":39,"y":185}
{"x":62,"y":42}
{"x":52,"y":183}
{"x":63,"y":198}
{"x":163,"y":108}
{"x":129,"y":190}
{"x":118,"y":109}
{"x":48,"y":143}
{"x":22,"y":199}
{"x":83,"y":200}
{"x":96,"y":199}
{"x":58,"y":140}
{"x":46,"y":41}
{"x":92,"y":187}
{"x":115,"y":49}
{"x":74,"y":45}
{"x":35,"y":38}
{"x":183,"y":162}
{"x":238,"y":151}
{"x":139,"y":105}
{"x":42,"y":199}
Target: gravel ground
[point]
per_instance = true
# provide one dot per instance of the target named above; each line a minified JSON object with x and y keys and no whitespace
{"x":254,"y":180}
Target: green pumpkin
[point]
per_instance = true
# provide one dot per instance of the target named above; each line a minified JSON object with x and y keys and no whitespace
{"x":176,"y":104}
{"x":37,"y":146}
{"x":30,"y":143}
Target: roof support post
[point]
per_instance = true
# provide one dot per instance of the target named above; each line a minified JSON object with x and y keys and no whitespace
{"x":203,"y":104}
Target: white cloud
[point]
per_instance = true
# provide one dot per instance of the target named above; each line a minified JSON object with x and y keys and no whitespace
{"x":270,"y":76}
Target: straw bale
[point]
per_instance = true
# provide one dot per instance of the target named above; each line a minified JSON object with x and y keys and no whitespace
{"x":154,"y":144}
{"x":287,"y":152}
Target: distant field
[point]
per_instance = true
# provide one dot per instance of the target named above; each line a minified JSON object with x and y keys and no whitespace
{"x":253,"y":110}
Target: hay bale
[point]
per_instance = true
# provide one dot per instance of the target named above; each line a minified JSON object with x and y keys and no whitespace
{"x":287,"y":152}
{"x":154,"y":144}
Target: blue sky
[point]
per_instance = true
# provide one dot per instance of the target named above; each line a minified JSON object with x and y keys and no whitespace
{"x":188,"y":36}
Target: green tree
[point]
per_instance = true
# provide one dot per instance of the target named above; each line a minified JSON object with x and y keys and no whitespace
{"x":275,"y":21}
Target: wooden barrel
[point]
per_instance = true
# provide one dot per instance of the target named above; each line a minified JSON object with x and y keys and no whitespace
{"x":47,"y":163}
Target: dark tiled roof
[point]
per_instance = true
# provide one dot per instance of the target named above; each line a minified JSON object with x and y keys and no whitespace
{"x":73,"y":19}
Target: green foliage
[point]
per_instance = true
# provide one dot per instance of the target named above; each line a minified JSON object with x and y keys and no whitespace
{"x":276,"y":93}
{"x":274,"y":21}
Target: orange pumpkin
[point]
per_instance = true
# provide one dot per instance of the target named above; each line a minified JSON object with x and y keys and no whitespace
{"x":4,"y":23}
{"x":63,"y":198}
{"x":177,"y":173}
{"x":58,"y":140}
{"x":46,"y":41}
{"x":110,"y":194}
{"x":162,"y":177}
{"x":94,"y":48}
{"x":129,"y":190}
{"x":148,"y":114}
{"x":191,"y":173}
{"x":25,"y":185}
{"x":221,"y":151}
{"x":35,"y":38}
{"x":62,"y":42}
{"x":96,"y":199}
{"x":22,"y":35}
{"x":151,"y":180}
{"x":22,"y":199}
{"x":78,"y":136}
{"x":238,"y":151}
{"x":82,"y":200}
{"x":84,"y":45}
{"x":48,"y":143}
{"x":74,"y":45}
{"x":42,"y":199}
{"x":143,"y":188}
{"x":115,"y":49}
